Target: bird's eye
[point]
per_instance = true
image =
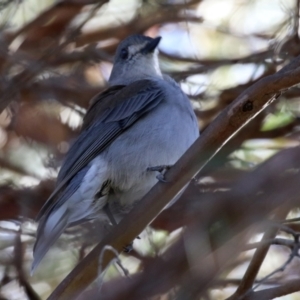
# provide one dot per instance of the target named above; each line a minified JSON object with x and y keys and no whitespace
{"x":124,"y":53}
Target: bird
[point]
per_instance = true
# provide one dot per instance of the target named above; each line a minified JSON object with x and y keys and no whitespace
{"x":131,"y":134}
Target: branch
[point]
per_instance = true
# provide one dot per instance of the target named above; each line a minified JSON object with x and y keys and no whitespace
{"x":250,"y":103}
{"x":257,"y":259}
{"x":164,"y":14}
{"x":198,"y":264}
{"x":288,"y":287}
{"x":51,"y":26}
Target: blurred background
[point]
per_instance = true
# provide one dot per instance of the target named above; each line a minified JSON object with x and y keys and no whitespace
{"x":55,"y":56}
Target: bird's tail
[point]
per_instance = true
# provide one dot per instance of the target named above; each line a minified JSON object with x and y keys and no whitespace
{"x":49,"y":230}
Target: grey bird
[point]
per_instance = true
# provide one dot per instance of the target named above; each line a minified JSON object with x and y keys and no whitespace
{"x":136,"y":128}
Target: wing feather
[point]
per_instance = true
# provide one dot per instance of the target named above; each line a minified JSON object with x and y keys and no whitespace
{"x":111,"y":121}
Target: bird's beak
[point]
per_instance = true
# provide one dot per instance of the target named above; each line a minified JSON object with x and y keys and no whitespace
{"x":150,"y":47}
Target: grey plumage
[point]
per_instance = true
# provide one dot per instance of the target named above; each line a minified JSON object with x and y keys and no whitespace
{"x":143,"y":120}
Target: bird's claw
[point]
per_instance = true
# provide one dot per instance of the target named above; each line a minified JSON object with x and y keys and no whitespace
{"x":162,"y":170}
{"x":128,"y":248}
{"x":161,"y":177}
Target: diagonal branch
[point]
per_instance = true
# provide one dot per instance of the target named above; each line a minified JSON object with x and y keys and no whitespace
{"x":286,"y":288}
{"x":249,"y":104}
{"x":257,"y":260}
{"x":197,"y":264}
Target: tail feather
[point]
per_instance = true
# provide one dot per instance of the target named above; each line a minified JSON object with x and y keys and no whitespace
{"x":49,"y":231}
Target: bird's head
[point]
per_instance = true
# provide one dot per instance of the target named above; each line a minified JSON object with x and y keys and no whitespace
{"x":136,"y":58}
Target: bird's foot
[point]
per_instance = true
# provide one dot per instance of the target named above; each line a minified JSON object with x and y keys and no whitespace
{"x":162,"y":170}
{"x":128,"y":248}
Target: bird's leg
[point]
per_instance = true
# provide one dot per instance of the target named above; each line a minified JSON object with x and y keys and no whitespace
{"x":104,"y":191}
{"x":162,"y":170}
{"x":109,"y":214}
{"x":128,"y":248}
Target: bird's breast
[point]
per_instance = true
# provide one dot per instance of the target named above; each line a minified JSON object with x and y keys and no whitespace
{"x":159,"y":138}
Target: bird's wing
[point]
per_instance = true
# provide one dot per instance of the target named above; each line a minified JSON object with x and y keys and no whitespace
{"x":111,"y":114}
